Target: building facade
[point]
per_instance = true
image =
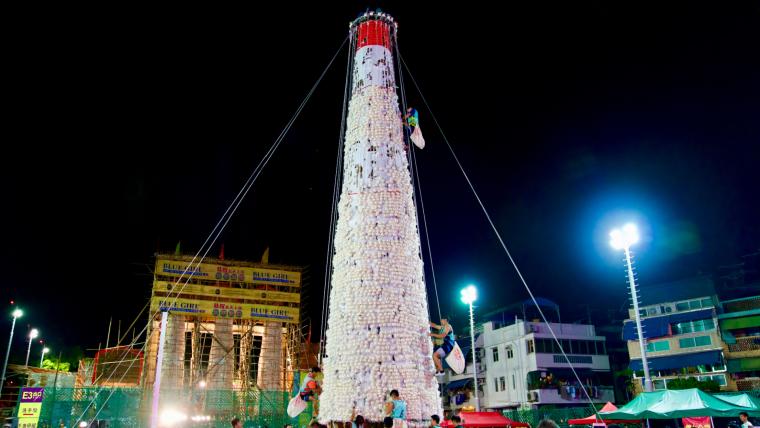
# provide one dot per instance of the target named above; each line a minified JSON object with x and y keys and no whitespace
{"x":739,"y":323}
{"x":682,"y":340}
{"x":520,"y":365}
{"x":526,"y":366}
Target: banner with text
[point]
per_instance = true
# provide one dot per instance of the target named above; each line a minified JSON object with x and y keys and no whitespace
{"x":215,"y":272}
{"x":225,"y":292}
{"x":205,"y":308}
{"x":697,"y":422}
{"x":29,"y":407}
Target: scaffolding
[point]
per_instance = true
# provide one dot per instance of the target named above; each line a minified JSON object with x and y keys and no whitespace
{"x":233,"y":335}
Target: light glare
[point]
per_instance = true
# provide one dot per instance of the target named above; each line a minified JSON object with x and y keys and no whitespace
{"x":469,"y":294}
{"x":34,"y":333}
{"x":625,"y":237}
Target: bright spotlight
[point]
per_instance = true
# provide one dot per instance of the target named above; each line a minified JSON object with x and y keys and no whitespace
{"x":624,"y":237}
{"x":34,"y":333}
{"x":169,"y":417}
{"x":469,"y":294}
{"x":18,"y":313}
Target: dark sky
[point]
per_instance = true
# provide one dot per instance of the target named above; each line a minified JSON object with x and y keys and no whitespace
{"x":132,"y":130}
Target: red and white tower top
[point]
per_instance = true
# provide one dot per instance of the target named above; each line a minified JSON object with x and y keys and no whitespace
{"x":374,"y":28}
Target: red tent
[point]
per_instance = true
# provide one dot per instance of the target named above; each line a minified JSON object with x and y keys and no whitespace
{"x":609,"y":407}
{"x":484,"y":420}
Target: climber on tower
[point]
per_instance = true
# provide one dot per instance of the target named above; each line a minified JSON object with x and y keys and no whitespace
{"x":412,"y":123}
{"x":310,"y":389}
{"x":444,"y":343}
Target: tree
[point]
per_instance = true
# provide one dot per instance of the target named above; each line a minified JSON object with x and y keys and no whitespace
{"x":625,"y":377}
{"x":52,"y":365}
{"x":692,"y":382}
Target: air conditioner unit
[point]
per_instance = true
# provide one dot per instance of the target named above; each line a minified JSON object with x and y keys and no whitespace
{"x":532,"y":396}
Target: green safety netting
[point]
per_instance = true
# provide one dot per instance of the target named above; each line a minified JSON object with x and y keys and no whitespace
{"x":130,"y":407}
{"x":672,"y":404}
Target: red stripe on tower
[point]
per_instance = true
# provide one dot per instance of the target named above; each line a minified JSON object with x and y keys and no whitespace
{"x":373,"y":32}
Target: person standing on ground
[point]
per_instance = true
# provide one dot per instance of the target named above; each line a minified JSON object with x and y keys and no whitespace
{"x":396,"y":409}
{"x":744,"y":417}
{"x":457,"y":421}
{"x":435,"y":421}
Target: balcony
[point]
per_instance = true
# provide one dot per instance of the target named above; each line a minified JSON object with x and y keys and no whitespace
{"x":741,"y":305}
{"x":567,"y":395}
{"x":748,"y":384}
{"x":744,"y":344}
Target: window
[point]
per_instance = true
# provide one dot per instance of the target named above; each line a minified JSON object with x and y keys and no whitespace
{"x":709,"y":324}
{"x":509,"y":352}
{"x":529,"y":344}
{"x":683,"y":306}
{"x":574,"y":359}
{"x":495,"y":351}
{"x":693,"y":326}
{"x":690,"y":342}
{"x":513,"y":382}
{"x":496,"y":384}
{"x":706,"y":303}
{"x":652,"y":311}
{"x":503,"y":383}
{"x":721,"y":379}
{"x":662,"y":345}
{"x":658,"y":384}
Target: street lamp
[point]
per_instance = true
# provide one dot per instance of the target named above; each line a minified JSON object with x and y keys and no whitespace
{"x":16,"y":314}
{"x":622,"y":239}
{"x":469,"y":295}
{"x":42,"y":357}
{"x":32,"y":335}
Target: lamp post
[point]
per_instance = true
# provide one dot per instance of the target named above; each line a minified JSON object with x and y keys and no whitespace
{"x":16,"y":314}
{"x":469,"y":295}
{"x":622,"y":239}
{"x":42,"y":357}
{"x":32,"y":335}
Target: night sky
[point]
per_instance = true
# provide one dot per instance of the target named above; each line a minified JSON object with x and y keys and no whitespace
{"x":132,"y":130}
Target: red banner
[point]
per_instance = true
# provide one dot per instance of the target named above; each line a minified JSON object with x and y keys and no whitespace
{"x":699,"y":422}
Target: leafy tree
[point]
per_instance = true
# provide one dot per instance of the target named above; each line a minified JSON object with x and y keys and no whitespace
{"x":692,"y":382}
{"x":53,"y":365}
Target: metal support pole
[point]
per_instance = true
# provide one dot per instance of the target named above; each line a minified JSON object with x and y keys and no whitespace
{"x":634,"y":297}
{"x":159,"y":363}
{"x":28,"y":351}
{"x":474,"y":363}
{"x":7,"y":354}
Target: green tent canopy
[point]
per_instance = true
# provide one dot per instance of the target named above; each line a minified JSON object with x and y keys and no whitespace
{"x":671,"y":404}
{"x":744,"y":400}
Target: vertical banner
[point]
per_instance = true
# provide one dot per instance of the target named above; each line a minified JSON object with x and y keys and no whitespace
{"x":29,"y":407}
{"x":697,"y":422}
